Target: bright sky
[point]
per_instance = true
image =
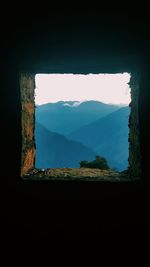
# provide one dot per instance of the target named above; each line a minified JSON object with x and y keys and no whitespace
{"x":107,"y":88}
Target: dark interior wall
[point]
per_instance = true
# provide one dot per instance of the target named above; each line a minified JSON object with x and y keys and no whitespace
{"x":71,"y":40}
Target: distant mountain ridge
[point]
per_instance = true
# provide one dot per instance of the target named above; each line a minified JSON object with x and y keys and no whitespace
{"x":69,"y":131}
{"x":65,"y":117}
{"x":108,"y":137}
{"x":56,"y":151}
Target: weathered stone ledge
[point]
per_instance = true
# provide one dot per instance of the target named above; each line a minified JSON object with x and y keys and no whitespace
{"x":81,"y":174}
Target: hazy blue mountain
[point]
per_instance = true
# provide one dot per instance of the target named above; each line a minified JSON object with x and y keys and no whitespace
{"x":55,"y":150}
{"x":108,"y":137}
{"x":66,"y":116}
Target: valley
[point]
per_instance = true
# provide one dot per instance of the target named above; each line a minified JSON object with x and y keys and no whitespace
{"x":67,"y":132}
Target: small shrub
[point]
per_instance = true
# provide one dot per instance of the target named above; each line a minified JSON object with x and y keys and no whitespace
{"x":98,"y":163}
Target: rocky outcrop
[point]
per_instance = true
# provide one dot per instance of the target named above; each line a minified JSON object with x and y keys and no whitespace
{"x":134,"y":133}
{"x":27,"y":86}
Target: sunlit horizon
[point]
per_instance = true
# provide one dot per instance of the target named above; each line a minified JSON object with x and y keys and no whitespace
{"x":106,"y":88}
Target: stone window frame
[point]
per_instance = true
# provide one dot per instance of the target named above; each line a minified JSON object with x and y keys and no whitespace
{"x":28,"y":152}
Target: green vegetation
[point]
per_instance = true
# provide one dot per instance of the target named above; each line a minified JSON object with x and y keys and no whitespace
{"x":98,"y":163}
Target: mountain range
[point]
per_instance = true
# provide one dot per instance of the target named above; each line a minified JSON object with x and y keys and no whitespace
{"x":54,"y":150}
{"x":65,"y":117}
{"x":67,"y":132}
{"x":107,"y":136}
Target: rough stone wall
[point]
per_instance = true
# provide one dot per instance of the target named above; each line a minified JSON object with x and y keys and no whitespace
{"x":27,"y":86}
{"x":134,"y":133}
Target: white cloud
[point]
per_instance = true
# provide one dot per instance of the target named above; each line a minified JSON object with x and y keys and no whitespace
{"x":74,"y":104}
